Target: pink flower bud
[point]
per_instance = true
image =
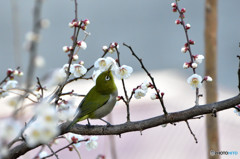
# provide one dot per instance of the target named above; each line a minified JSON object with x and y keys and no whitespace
{"x":65,"y":48}
{"x":183,"y":10}
{"x":9,"y":71}
{"x":186,"y":65}
{"x":177,"y":22}
{"x":86,"y":22}
{"x":174,"y":5}
{"x":174,"y":9}
{"x":84,"y":27}
{"x":118,"y":98}
{"x":162,"y":94}
{"x":191,"y":42}
{"x":184,"y":49}
{"x":188,"y":26}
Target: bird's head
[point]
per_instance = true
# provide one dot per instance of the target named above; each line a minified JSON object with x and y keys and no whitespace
{"x":105,"y":82}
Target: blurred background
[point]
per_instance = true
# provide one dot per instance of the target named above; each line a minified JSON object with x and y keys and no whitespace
{"x":148,"y":26}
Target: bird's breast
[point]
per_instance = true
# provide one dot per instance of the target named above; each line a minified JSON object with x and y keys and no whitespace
{"x":107,"y":107}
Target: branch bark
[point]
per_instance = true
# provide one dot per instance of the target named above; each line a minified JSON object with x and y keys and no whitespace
{"x":184,"y":115}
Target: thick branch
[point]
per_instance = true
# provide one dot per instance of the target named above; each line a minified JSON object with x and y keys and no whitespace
{"x":138,"y":125}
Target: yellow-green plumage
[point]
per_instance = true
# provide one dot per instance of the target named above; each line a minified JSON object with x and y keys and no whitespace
{"x":99,"y":101}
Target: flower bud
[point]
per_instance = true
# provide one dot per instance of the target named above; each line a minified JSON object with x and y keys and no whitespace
{"x":184,"y":49}
{"x":86,"y":22}
{"x":104,"y":48}
{"x":194,"y":65}
{"x":186,"y":65}
{"x":173,"y":4}
{"x":75,"y":57}
{"x":208,"y":79}
{"x":188,"y":26}
{"x":177,"y":21}
{"x":65,"y":48}
{"x":183,"y":10}
{"x":191,"y":42}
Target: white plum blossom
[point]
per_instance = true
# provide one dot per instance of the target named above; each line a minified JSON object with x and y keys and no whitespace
{"x":95,"y":74}
{"x":113,"y":47}
{"x":139,"y":93}
{"x":194,"y":65}
{"x":44,"y":128}
{"x":123,"y":72}
{"x":58,"y":76}
{"x":82,"y":45}
{"x":103,"y":64}
{"x":144,"y":86}
{"x":42,"y":154}
{"x":195,"y":81}
{"x":75,"y":138}
{"x":92,"y":143}
{"x":10,"y":128}
{"x":65,"y":111}
{"x":198,"y":58}
{"x":153,"y":96}
{"x":10,"y":84}
{"x":78,"y":70}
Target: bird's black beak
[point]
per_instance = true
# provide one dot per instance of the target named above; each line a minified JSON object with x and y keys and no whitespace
{"x":110,"y":67}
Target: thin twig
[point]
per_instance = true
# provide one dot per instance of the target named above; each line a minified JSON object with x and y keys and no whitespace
{"x":54,"y":153}
{"x":149,"y":75}
{"x":70,"y":144}
{"x":181,"y":15}
{"x":194,"y":136}
{"x":124,"y":87}
{"x":40,"y":86}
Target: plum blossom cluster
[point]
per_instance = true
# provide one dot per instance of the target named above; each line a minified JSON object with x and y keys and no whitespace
{"x":77,"y":139}
{"x":65,"y":110}
{"x":43,"y":127}
{"x":9,"y":82}
{"x":112,"y":47}
{"x":10,"y":129}
{"x":79,"y":24}
{"x":141,"y":90}
{"x":102,"y":64}
{"x":194,"y":80}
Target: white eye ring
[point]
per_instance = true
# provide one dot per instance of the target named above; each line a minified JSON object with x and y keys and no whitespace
{"x":107,"y":78}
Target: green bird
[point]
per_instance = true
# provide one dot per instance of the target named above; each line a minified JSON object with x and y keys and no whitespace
{"x":99,"y":101}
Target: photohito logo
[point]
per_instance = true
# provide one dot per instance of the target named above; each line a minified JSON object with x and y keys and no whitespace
{"x":212,"y":153}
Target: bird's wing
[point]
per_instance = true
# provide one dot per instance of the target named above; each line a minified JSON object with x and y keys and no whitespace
{"x":90,"y":103}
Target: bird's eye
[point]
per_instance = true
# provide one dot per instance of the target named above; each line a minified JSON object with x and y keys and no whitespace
{"x":107,"y":78}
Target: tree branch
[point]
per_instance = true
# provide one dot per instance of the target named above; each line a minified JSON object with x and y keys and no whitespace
{"x":138,"y":125}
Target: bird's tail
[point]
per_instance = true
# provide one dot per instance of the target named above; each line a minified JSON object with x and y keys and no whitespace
{"x":75,"y":120}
